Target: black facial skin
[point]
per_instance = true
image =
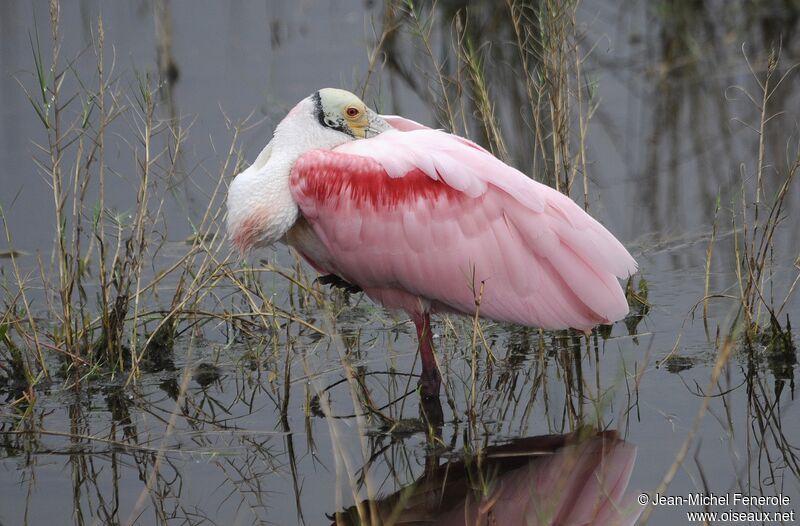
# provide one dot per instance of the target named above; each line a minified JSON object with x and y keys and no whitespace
{"x":337,"y":124}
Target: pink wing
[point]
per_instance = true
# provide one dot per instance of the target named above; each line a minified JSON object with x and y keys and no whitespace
{"x":423,"y":214}
{"x":403,"y":124}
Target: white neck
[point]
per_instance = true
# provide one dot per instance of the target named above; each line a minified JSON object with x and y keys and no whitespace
{"x":260,"y":205}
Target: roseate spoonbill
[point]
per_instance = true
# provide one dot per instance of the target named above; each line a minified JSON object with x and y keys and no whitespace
{"x":425,"y":221}
{"x":552,"y":479}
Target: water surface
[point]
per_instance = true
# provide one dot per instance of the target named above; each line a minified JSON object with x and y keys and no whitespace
{"x":266,"y":432}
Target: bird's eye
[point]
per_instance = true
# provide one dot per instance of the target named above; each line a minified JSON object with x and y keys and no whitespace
{"x":352,"y":112}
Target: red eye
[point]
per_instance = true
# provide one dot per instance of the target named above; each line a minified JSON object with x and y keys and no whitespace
{"x":352,"y":112}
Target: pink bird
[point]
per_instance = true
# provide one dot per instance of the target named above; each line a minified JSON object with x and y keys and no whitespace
{"x":579,"y":479}
{"x":425,"y":221}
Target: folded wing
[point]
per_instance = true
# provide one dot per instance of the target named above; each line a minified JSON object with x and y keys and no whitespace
{"x":422,"y":213}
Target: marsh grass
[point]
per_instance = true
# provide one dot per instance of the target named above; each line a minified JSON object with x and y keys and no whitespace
{"x":761,"y":214}
{"x":756,"y":212}
{"x":100,"y":306}
{"x":554,"y":103}
{"x":754,"y":330}
{"x":532,"y":61}
{"x":110,"y":318}
{"x":115,"y":310}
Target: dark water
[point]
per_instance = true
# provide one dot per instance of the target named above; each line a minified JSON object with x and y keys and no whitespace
{"x":249,"y":441}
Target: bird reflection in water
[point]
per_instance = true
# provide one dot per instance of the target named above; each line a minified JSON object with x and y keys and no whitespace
{"x":574,"y":479}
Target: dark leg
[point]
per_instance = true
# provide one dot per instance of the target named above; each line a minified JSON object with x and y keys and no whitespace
{"x":431,"y":380}
{"x":430,"y":411}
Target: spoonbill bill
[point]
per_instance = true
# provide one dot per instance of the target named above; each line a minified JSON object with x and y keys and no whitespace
{"x":425,"y":221}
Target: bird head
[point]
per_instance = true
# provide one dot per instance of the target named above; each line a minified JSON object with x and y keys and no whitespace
{"x":260,"y":206}
{"x":342,"y":111}
{"x":326,"y":119}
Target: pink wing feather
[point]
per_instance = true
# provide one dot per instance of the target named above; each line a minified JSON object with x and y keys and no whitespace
{"x":423,"y":214}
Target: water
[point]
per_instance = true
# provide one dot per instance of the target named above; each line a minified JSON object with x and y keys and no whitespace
{"x":249,"y":441}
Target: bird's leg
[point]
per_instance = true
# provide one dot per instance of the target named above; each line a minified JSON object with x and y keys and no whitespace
{"x":430,"y":411}
{"x":431,"y":380}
